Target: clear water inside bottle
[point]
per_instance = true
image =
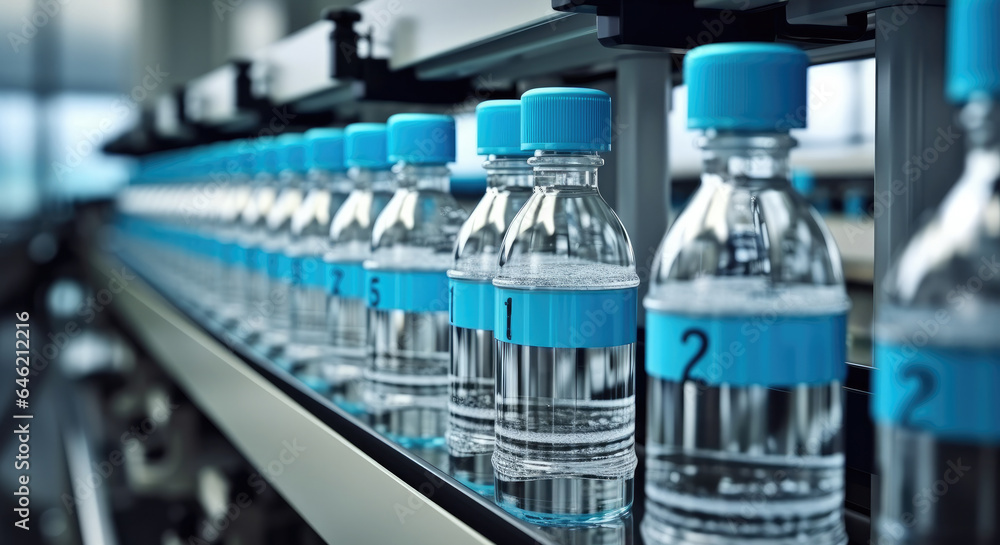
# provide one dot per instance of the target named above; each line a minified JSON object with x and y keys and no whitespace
{"x":343,"y":369}
{"x":938,"y":489}
{"x":471,"y":408}
{"x":744,"y":463}
{"x":407,"y":385}
{"x":565,"y":432}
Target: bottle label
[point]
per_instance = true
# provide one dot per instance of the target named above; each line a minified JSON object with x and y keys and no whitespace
{"x":279,"y":266}
{"x":412,"y":291}
{"x":257,"y":260}
{"x":239,"y":256}
{"x":308,"y":272}
{"x":566,"y":319}
{"x":951,"y":393}
{"x":471,"y":304}
{"x":763,"y":350}
{"x":345,"y":279}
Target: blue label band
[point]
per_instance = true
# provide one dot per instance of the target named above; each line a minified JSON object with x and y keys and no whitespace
{"x":279,"y":266}
{"x":259,"y":260}
{"x":951,"y":393}
{"x":344,"y":279}
{"x":412,"y":291}
{"x":471,"y":304}
{"x":239,"y":256}
{"x":308,"y":272}
{"x":566,"y":319}
{"x":764,"y":350}
{"x":227,"y":252}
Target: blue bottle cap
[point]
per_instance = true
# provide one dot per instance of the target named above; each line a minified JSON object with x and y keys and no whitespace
{"x":364,"y":146}
{"x":746,"y":87}
{"x":421,"y":138}
{"x":973,"y":49}
{"x":498,"y":128}
{"x":291,"y":152}
{"x":566,"y":119}
{"x":803,"y":181}
{"x":264,"y":151}
{"x":227,"y":159}
{"x":243,"y":152}
{"x":325,"y":149}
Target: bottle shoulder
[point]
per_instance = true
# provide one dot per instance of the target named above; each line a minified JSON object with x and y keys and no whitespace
{"x":568,"y":240}
{"x":479,"y":240}
{"x":766,"y":232}
{"x":417,"y":229}
{"x":956,"y":252}
{"x":285,"y":204}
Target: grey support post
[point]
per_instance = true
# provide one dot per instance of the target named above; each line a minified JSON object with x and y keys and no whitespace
{"x":642,"y":102}
{"x":918,"y":155}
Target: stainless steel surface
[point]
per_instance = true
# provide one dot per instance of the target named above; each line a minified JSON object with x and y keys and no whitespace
{"x":341,"y":492}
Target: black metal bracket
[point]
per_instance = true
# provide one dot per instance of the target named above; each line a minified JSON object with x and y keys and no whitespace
{"x":679,"y":26}
{"x":344,"y":43}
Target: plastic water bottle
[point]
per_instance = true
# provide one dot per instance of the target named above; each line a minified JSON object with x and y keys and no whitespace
{"x":349,"y":247}
{"x":326,"y":188}
{"x":746,"y":325}
{"x":264,"y":190}
{"x":471,"y":407}
{"x":236,"y":191}
{"x":194,"y":217}
{"x":937,"y":353}
{"x":278,"y":239}
{"x":407,"y":284}
{"x":565,"y":326}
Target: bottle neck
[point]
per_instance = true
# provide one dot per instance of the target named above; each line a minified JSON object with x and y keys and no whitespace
{"x":981,"y":120}
{"x":425,"y":177}
{"x":377,"y":180}
{"x":566,"y":169}
{"x":508,"y":171}
{"x":333,"y":181}
{"x":747,"y":158}
{"x":290,"y":179}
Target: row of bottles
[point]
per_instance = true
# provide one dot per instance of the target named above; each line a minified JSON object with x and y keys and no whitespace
{"x":508,"y":336}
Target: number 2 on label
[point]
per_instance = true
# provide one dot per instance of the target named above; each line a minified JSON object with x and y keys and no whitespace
{"x":926,"y":384}
{"x":702,"y":349}
{"x":337,"y":275}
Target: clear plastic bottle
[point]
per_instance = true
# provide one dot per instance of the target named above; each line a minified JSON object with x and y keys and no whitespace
{"x":472,"y":407}
{"x":746,"y":325}
{"x":236,"y":192}
{"x":326,"y":188}
{"x":565,"y":325}
{"x":407,"y":285}
{"x":291,"y":150}
{"x":254,"y":218}
{"x":195,"y":220}
{"x":937,"y":352}
{"x":349,"y":247}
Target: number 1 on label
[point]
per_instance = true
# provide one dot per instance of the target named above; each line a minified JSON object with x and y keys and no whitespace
{"x":509,"y":303}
